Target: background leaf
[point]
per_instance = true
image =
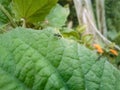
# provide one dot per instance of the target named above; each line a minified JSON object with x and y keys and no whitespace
{"x":32,"y":10}
{"x":87,"y":38}
{"x":3,"y":18}
{"x":70,"y":33}
{"x":117,"y":39}
{"x":39,"y":60}
{"x":58,"y":16}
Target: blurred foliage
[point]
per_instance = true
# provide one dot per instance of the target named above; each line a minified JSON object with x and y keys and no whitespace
{"x":58,"y":16}
{"x":3,"y":18}
{"x":72,"y":17}
{"x":78,"y":35}
{"x":117,"y":39}
{"x":113,"y":20}
{"x":117,"y":61}
{"x":112,"y":11}
{"x":113,"y":14}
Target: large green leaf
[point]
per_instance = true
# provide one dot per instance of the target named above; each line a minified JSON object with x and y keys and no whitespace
{"x":39,"y":60}
{"x":32,"y":10}
{"x":58,"y":16}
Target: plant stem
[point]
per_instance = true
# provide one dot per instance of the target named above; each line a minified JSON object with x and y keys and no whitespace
{"x":105,"y":40}
{"x":80,"y":6}
{"x":100,"y":11}
{"x":23,"y":22}
{"x":85,"y":16}
{"x":8,"y":15}
{"x":79,"y":9}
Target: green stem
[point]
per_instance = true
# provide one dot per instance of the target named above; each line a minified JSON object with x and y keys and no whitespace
{"x":23,"y":22}
{"x":8,"y":15}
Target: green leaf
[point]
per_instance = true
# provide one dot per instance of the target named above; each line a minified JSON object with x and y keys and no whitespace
{"x":70,"y":33}
{"x":117,"y":39}
{"x":58,"y":16}
{"x":3,"y":18}
{"x":81,"y":29}
{"x":87,"y":38}
{"x":32,"y":10}
{"x":112,"y":34}
{"x":39,"y":60}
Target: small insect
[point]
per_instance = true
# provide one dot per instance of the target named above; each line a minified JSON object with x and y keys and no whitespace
{"x":57,"y":35}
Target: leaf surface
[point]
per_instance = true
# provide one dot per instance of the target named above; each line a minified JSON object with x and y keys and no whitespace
{"x":39,"y":60}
